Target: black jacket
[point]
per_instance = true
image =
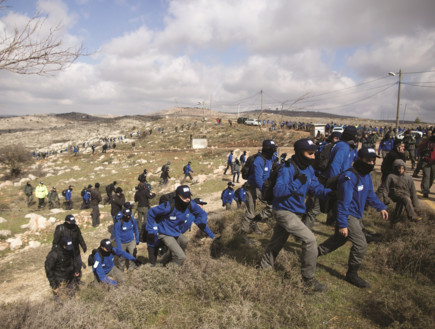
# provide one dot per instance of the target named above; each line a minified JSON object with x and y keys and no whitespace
{"x":74,"y":232}
{"x":59,"y":266}
{"x":142,"y":197}
{"x":387,"y":164}
{"x":117,"y":202}
{"x":95,"y":197}
{"x":110,"y":189}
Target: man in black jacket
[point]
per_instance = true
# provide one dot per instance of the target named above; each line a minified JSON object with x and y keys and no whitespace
{"x":109,"y":190}
{"x":95,"y":200}
{"x":71,"y":230}
{"x":60,"y":268}
{"x":142,"y":197}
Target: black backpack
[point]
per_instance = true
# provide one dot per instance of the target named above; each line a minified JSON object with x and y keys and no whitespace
{"x":328,"y":204}
{"x":269,"y":183}
{"x":64,"y":192}
{"x":246,"y":170}
{"x":184,"y":168}
{"x":321,"y":161}
{"x":82,"y":193}
{"x":91,"y":257}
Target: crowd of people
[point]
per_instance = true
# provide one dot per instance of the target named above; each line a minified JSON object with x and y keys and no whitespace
{"x":302,"y":187}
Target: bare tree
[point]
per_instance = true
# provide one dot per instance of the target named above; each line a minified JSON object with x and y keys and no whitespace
{"x":15,"y":157}
{"x":32,"y":50}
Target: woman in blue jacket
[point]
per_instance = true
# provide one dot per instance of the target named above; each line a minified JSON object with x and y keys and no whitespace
{"x":292,"y":185}
{"x":354,"y":190}
{"x":168,"y":221}
{"x":104,"y":265}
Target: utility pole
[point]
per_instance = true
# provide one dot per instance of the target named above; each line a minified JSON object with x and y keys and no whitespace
{"x":261,"y":92}
{"x":398,"y":102}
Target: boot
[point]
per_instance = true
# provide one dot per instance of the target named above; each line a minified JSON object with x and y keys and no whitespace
{"x":353,"y":278}
{"x":313,"y":285}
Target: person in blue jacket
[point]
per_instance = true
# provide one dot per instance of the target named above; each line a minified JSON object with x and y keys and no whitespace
{"x":228,"y":195}
{"x":354,"y":191}
{"x":86,"y":197}
{"x":68,"y":201}
{"x":259,"y":172}
{"x":104,"y":265}
{"x":240,"y":197}
{"x":289,"y":193}
{"x":167,"y":222}
{"x":386,"y":145}
{"x":126,"y":234}
{"x":243,"y":159}
{"x":187,"y":170}
{"x":229,"y":163}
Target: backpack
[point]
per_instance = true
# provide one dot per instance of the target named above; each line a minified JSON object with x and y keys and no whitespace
{"x":83,"y":192}
{"x":427,"y":151}
{"x":269,"y":183}
{"x":184,"y":168}
{"x":246,"y":170}
{"x":328,"y":204}
{"x":322,"y":157}
{"x":64,"y":192}
{"x":91,"y":257}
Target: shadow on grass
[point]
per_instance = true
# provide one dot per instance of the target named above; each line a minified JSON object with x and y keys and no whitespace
{"x":331,"y":271}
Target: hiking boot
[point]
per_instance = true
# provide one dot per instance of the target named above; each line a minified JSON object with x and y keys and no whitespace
{"x":372,"y":237}
{"x":416,"y":219}
{"x":313,"y":285}
{"x":426,"y":195}
{"x":353,"y":278}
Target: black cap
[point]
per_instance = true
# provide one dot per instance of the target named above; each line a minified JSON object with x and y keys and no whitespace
{"x":97,"y":185}
{"x":367,"y":152}
{"x":106,"y":244}
{"x":66,"y":242}
{"x":230,"y":184}
{"x":128,"y":205}
{"x":183,"y":191}
{"x":305,"y":144}
{"x":269,"y":143}
{"x":89,"y":186}
{"x":70,"y":218}
{"x":118,"y":190}
{"x":199,"y":201}
{"x":126,"y":212}
{"x":350,"y":130}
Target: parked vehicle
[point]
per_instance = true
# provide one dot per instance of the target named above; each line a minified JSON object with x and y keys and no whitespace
{"x":252,"y":122}
{"x":338,"y":129}
{"x":417,"y":134}
{"x":241,"y":120}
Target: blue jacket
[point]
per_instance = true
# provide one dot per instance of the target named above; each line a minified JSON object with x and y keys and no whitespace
{"x":352,"y":197}
{"x":87,"y":196}
{"x":230,"y":158}
{"x":241,"y":194}
{"x":386,"y":145}
{"x":160,"y":219}
{"x":101,"y":268}
{"x":228,"y":195}
{"x":127,"y":232}
{"x":187,"y":169}
{"x":242,"y":159}
{"x":341,"y":159}
{"x":68,"y":195}
{"x":260,"y":171}
{"x":289,"y":193}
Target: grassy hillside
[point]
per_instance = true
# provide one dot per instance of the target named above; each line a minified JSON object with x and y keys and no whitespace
{"x":219,"y":286}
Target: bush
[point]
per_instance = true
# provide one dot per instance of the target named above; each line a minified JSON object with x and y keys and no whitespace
{"x":14,"y":157}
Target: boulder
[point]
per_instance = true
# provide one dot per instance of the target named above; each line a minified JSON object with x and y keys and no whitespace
{"x":199,"y":179}
{"x":5,"y":233}
{"x":34,"y":244}
{"x":2,"y":220}
{"x":15,"y":243}
{"x":36,"y":223}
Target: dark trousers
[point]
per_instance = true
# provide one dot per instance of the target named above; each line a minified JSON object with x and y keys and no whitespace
{"x":95,"y":213}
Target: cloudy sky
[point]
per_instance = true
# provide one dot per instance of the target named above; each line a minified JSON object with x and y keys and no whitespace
{"x":332,"y":56}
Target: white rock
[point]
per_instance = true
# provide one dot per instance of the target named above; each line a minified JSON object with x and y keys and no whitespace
{"x":5,"y":233}
{"x":52,"y":220}
{"x":31,"y":177}
{"x":199,"y":179}
{"x":57,"y":211}
{"x":34,"y":244}
{"x":98,"y":168}
{"x":15,"y":243}
{"x":36,"y":223}
{"x":6,"y":183}
{"x":76,"y":168}
{"x":2,"y":220}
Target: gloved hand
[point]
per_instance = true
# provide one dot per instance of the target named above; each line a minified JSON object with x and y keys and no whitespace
{"x":302,"y":178}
